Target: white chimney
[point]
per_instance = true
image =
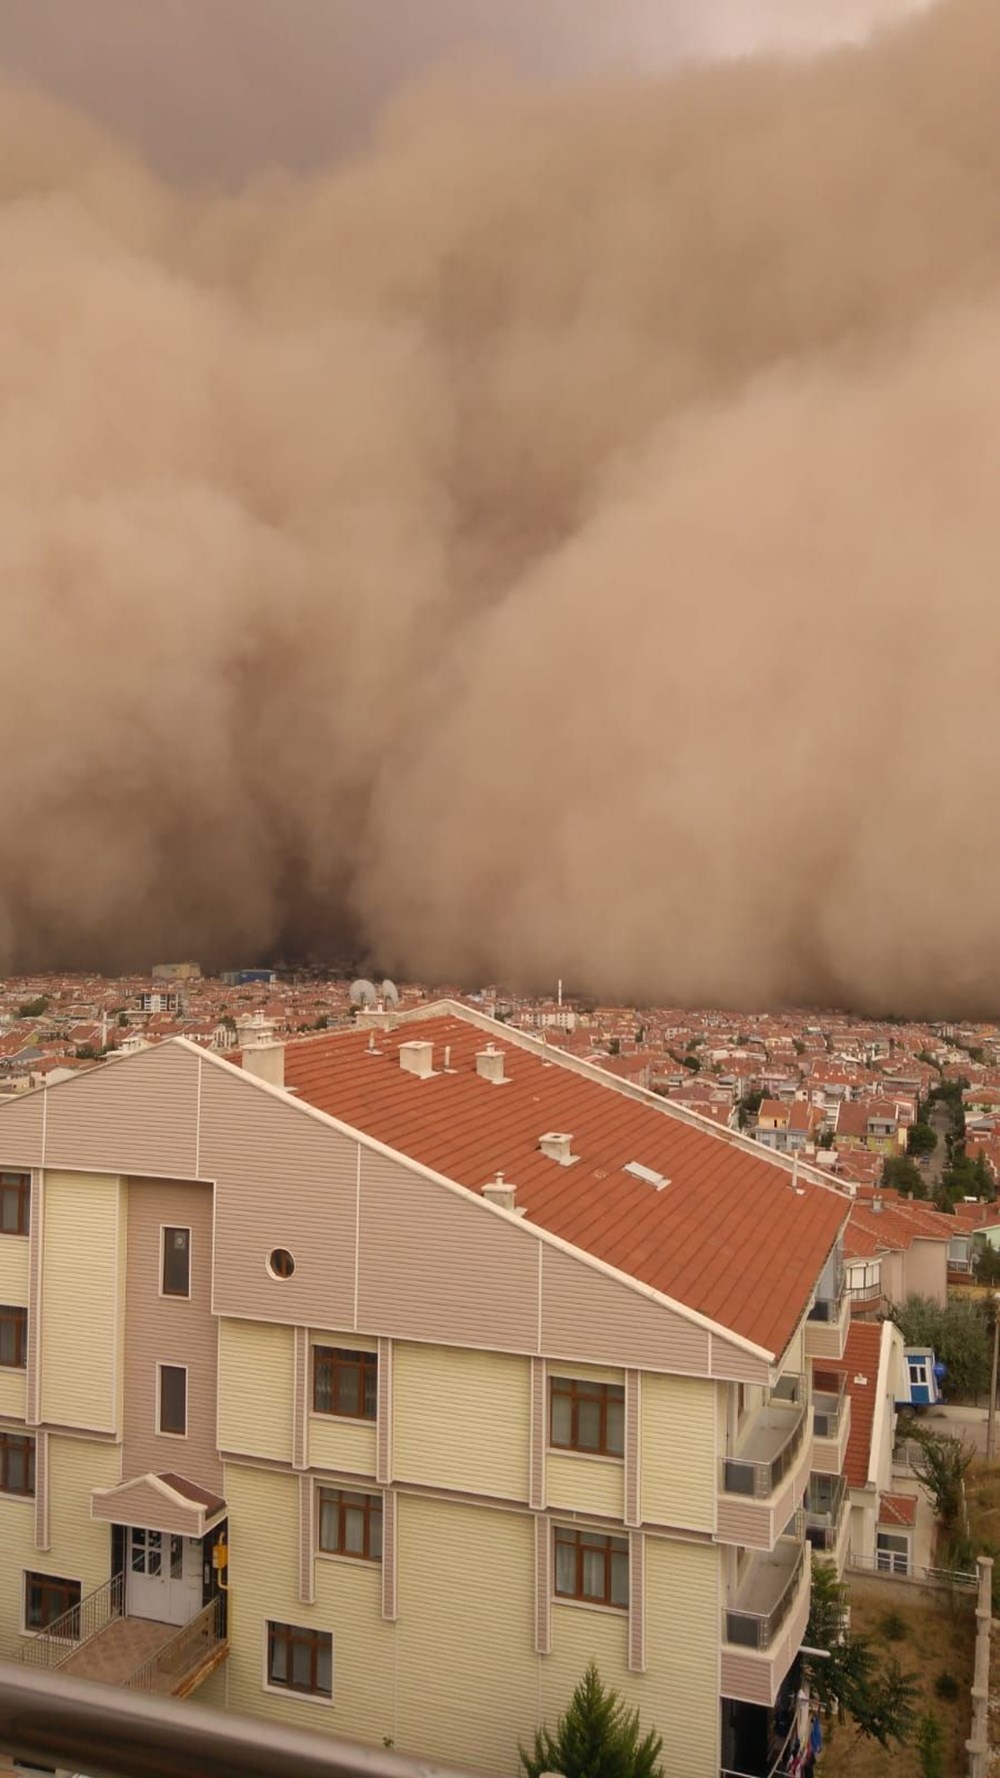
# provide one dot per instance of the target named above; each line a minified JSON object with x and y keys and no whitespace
{"x":263,"y":1056}
{"x":556,"y":1147}
{"x":489,"y":1064}
{"x":417,"y":1058}
{"x":500,"y":1193}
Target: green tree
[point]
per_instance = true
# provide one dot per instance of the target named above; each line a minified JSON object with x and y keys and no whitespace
{"x":986,"y":1263}
{"x":850,"y":1681}
{"x":122,"y":1019}
{"x":597,"y":1737}
{"x":748,"y":1107}
{"x":930,"y":1746}
{"x":941,"y":1464}
{"x":33,"y":1009}
{"x":903,"y":1175}
{"x":960,"y":1335}
{"x":921,"y":1139}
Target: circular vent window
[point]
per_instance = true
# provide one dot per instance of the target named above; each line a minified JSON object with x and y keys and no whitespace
{"x":281,"y":1264}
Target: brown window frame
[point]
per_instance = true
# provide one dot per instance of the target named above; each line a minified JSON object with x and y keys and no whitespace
{"x":298,"y":1635}
{"x":589,"y":1543}
{"x":22,"y":1443}
{"x":20,"y":1185}
{"x":577,"y":1390}
{"x":66,"y":1594}
{"x":13,"y":1315}
{"x":165,"y":1288}
{"x":335,"y":1362}
{"x":343,"y":1501}
{"x":170,"y":1431}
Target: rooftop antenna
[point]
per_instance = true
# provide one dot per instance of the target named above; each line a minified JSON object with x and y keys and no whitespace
{"x":363,"y":993}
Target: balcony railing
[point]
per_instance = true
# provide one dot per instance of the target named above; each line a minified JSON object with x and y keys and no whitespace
{"x":765,"y":1596}
{"x":824,"y":1513}
{"x":829,"y":1299}
{"x":829,"y":1394}
{"x":61,"y":1639}
{"x":49,"y":1720}
{"x":184,"y":1654}
{"x":866,"y":1293}
{"x":769,"y":1443}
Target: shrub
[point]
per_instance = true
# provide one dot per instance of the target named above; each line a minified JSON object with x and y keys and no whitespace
{"x":947,"y":1686}
{"x":893,"y":1627}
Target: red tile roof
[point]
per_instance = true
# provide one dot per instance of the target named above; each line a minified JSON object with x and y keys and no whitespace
{"x":897,"y":1509}
{"x":860,"y":1366}
{"x":727,"y":1235}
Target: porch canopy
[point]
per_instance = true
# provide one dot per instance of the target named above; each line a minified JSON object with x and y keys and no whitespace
{"x":159,"y":1503}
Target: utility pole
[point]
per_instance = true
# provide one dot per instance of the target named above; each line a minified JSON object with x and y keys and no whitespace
{"x":993,"y":1377}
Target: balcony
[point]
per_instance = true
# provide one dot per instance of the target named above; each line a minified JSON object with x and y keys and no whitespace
{"x":826,"y":1322}
{"x":866,"y":1296}
{"x":98,"y":1640}
{"x":767,"y":1445}
{"x":824,"y":1515}
{"x":765,"y":1595}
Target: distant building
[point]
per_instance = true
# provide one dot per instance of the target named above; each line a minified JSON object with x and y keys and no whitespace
{"x":176,"y":972}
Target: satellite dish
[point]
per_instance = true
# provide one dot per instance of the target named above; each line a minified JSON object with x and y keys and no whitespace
{"x":390,"y":993}
{"x":363,"y":993}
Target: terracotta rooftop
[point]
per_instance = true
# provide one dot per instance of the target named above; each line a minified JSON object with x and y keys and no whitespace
{"x":860,"y":1366}
{"x":897,"y":1509}
{"x":725,"y":1233}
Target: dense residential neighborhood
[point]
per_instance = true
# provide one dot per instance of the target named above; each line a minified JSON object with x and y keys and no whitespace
{"x":412,"y":1327}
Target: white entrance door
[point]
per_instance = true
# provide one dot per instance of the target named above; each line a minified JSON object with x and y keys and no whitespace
{"x":164,"y":1576}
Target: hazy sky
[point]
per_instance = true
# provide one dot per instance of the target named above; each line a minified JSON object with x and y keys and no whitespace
{"x":219,"y":87}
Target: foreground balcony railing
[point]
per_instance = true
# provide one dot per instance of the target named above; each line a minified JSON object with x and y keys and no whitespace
{"x":825,"y":1512}
{"x":765,"y":1595}
{"x":769,"y":1443}
{"x":51,"y":1646}
{"x":77,"y":1726}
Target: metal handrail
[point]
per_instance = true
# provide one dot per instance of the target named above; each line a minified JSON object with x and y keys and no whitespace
{"x":50,"y":1720}
{"x":175,"y":1657}
{"x":825,"y":1522}
{"x":766,"y":1624}
{"x":827,"y":1419}
{"x":61,"y":1639}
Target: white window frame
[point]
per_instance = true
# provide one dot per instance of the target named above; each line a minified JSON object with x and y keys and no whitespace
{"x":894,"y":1556}
{"x":287,"y":1691}
{"x":169,"y":1364}
{"x":171,"y":1296}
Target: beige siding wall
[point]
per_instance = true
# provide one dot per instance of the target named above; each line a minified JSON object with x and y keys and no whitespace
{"x":925,"y":1270}
{"x":264,"y":1528}
{"x":12,"y":1392}
{"x":462,"y":1419}
{"x":467,"y":1673}
{"x":256,"y":1383}
{"x":14,"y":1269}
{"x":85,"y":1215}
{"x":347,"y":1445}
{"x":80,"y":1548}
{"x":679,"y":1468}
{"x":169,"y":1330}
{"x":678,"y":1693}
{"x":586,"y":1484}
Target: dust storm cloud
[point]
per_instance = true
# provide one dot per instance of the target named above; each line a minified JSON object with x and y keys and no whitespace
{"x":560,"y":541}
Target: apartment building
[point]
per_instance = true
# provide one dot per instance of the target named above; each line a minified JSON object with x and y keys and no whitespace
{"x":381,"y":1383}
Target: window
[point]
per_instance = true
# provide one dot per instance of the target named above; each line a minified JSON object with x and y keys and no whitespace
{"x":173,"y":1399}
{"x":13,"y":1336}
{"x":591,"y":1567}
{"x":175,"y":1277}
{"x":350,"y":1524}
{"x":280,"y":1264}
{"x":15,"y":1203}
{"x":47,"y":1598}
{"x":17,"y":1464}
{"x":892,"y":1553}
{"x":300,"y":1660}
{"x":587,"y":1417}
{"x":345,"y":1382}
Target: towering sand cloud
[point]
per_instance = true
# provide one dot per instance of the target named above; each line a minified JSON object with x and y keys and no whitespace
{"x":562,"y":540}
